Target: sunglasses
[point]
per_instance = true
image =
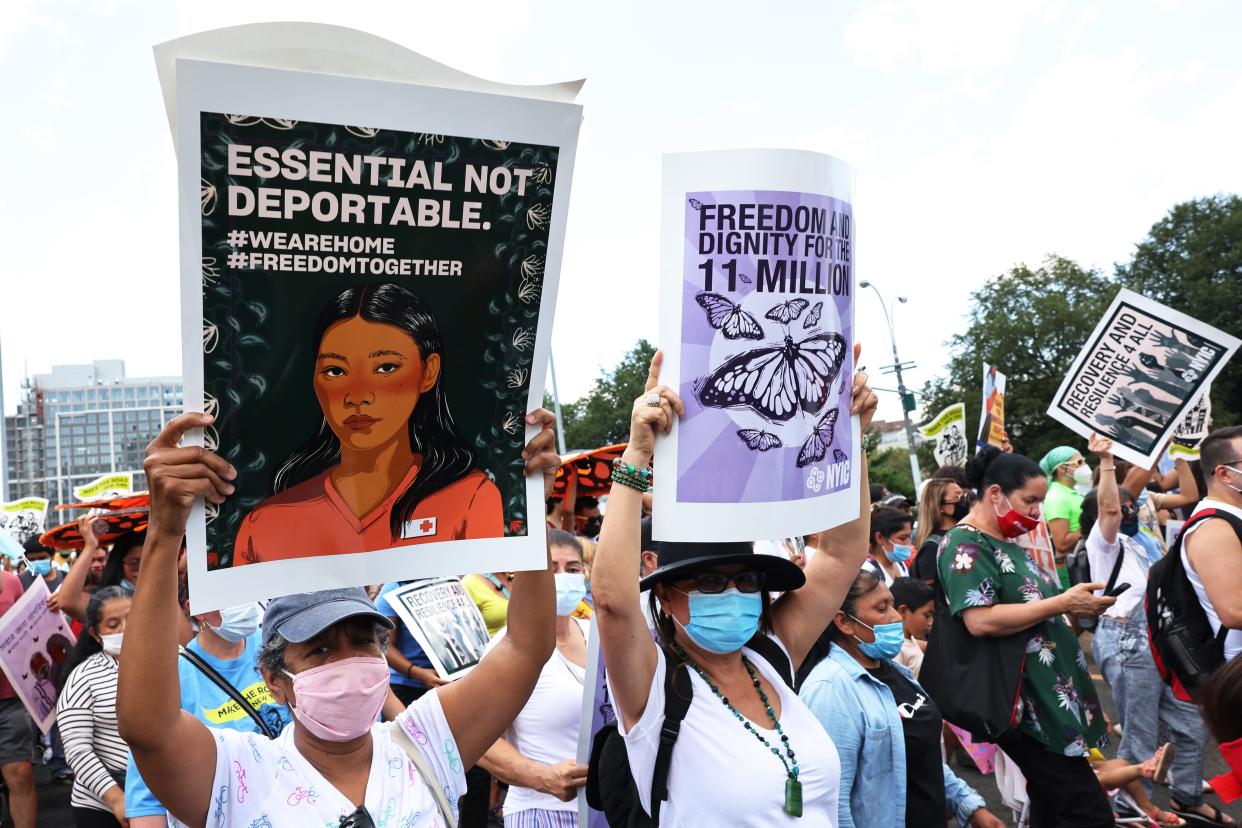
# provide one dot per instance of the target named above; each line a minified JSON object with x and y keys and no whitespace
{"x":360,"y":818}
{"x":713,"y":583}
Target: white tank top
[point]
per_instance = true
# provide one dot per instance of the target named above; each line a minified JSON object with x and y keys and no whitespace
{"x":1233,"y":641}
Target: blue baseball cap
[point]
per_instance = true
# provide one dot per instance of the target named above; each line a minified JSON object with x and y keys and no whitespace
{"x":304,"y":615}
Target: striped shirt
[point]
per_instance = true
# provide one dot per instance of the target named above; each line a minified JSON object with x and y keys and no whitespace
{"x":86,"y":713}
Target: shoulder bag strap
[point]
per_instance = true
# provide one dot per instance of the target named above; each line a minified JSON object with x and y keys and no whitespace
{"x":424,"y":770}
{"x":678,"y":693}
{"x":228,"y":689}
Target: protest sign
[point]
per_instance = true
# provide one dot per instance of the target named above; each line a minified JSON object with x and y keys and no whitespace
{"x":1136,"y":377}
{"x":368,"y":272}
{"x":34,"y":642}
{"x":1038,"y":544}
{"x":106,"y":487}
{"x":23,"y":518}
{"x":757,"y":325}
{"x":948,"y":429}
{"x":992,"y":417}
{"x":597,"y":712}
{"x":444,"y":621}
{"x":1194,"y":426}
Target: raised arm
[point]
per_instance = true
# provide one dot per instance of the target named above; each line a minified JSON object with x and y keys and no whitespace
{"x":801,"y":616}
{"x":629,"y":650}
{"x":173,"y":750}
{"x":481,"y":706}
{"x":1108,"y":497}
{"x":71,"y":598}
{"x":1187,"y":493}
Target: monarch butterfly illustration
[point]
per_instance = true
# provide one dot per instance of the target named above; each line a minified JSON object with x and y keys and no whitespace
{"x":757,"y":440}
{"x":816,"y":446}
{"x":778,"y":380}
{"x":787,"y":312}
{"x":729,"y":318}
{"x":812,"y":318}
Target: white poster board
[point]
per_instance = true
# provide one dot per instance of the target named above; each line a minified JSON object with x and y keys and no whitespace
{"x":948,"y":429}
{"x":757,"y":327}
{"x":445,"y":622}
{"x":301,"y":193}
{"x":1142,"y":369}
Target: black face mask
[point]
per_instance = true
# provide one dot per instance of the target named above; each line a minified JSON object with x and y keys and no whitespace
{"x":591,"y":527}
{"x":1129,"y":521}
{"x":961,"y":509}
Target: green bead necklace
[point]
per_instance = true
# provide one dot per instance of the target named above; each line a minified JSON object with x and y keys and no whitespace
{"x":793,"y":787}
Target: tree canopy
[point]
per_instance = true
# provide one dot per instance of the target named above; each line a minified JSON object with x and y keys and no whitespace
{"x":1191,"y":260}
{"x":601,"y":417}
{"x":1030,"y":324}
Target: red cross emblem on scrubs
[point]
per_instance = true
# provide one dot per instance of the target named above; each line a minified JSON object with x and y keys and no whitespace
{"x":419,"y":528}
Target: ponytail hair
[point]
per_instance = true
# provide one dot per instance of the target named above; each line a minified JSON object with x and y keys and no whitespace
{"x":991,"y":466}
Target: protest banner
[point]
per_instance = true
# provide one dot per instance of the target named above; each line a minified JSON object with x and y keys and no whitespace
{"x":948,"y":429}
{"x":106,"y":487}
{"x":368,"y":272}
{"x":444,"y":621}
{"x":1194,"y":426}
{"x":597,"y":711}
{"x":757,"y":325}
{"x":1137,"y":376}
{"x":23,"y":518}
{"x":34,"y":642}
{"x":1038,"y":544}
{"x":992,"y":417}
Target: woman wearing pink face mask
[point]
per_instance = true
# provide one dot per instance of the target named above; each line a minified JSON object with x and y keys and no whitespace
{"x":323,"y":656}
{"x":995,"y":587}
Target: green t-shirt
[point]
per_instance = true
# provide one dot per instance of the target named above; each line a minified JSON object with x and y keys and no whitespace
{"x":1063,"y":502}
{"x":1059,"y":706}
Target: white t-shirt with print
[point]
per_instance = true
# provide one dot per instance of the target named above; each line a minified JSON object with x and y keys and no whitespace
{"x":546,"y":730}
{"x":1102,"y":556}
{"x":721,"y":774}
{"x":1233,"y":640}
{"x":266,"y":783}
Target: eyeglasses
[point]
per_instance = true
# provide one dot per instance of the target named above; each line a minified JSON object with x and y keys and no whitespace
{"x":360,"y":818}
{"x":131,"y":566}
{"x":713,"y":583}
{"x":944,"y":501}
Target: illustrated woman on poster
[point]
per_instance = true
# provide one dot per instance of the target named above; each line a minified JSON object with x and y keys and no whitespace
{"x":387,"y":466}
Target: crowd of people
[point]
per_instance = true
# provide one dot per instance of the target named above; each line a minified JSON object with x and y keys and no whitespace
{"x":801,"y":680}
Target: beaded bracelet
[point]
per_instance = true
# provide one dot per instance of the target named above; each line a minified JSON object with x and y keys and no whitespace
{"x":630,"y":475}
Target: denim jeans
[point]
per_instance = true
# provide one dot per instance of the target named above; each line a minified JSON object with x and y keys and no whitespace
{"x":1143,"y":701}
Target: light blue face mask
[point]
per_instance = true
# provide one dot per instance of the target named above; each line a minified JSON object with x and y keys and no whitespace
{"x":40,"y":568}
{"x":888,"y":640}
{"x":722,"y":622}
{"x":570,"y":590}
{"x":128,"y":584}
{"x":900,"y":553}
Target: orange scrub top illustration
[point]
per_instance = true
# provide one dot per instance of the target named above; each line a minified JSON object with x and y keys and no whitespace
{"x":387,"y":466}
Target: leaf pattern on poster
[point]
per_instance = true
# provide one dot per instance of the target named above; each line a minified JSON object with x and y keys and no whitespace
{"x":244,"y":328}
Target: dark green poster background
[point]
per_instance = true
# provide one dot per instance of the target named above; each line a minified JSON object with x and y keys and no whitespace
{"x":258,"y":323}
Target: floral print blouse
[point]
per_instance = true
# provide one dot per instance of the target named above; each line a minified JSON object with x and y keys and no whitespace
{"x":1059,"y":706}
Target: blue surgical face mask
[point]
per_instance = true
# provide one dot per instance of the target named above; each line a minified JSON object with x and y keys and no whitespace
{"x":900,"y":553}
{"x":1129,"y":521}
{"x":128,"y":584}
{"x":722,"y":622}
{"x":888,"y":640}
{"x":237,"y":622}
{"x":40,"y":568}
{"x":570,"y":590}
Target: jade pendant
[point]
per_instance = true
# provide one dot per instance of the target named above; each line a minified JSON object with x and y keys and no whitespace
{"x":793,"y":797}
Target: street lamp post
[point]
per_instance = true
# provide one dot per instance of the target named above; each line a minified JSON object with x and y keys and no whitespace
{"x":906,"y":397}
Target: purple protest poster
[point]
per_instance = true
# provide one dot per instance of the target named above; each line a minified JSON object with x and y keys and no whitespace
{"x":757,"y":323}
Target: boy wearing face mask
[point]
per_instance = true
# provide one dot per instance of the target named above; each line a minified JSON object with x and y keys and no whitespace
{"x":228,"y":641}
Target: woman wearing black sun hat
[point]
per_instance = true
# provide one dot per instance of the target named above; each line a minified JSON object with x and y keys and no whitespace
{"x":749,"y":753}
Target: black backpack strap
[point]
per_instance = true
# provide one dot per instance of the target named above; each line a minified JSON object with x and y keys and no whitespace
{"x":228,"y":689}
{"x":1112,"y":578}
{"x":773,"y":655}
{"x":678,"y":693}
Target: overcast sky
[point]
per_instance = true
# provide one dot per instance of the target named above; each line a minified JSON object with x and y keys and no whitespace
{"x":984,"y":134}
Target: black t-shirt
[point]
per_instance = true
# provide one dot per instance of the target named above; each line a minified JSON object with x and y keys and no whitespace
{"x":27,"y":578}
{"x":925,"y":561}
{"x":920,"y":720}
